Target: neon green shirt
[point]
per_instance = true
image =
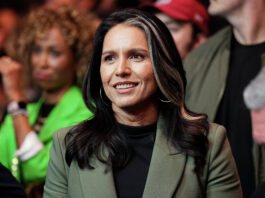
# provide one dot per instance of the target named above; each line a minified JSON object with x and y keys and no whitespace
{"x":69,"y":111}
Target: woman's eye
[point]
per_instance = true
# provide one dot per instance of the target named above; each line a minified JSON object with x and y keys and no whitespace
{"x":109,"y":59}
{"x":55,"y":53}
{"x":137,"y":57}
{"x":174,"y":28}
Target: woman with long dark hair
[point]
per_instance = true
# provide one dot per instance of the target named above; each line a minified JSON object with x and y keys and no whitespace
{"x":142,"y":140}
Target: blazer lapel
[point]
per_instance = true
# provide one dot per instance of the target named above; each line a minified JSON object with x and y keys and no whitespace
{"x":97,"y":182}
{"x":166,"y":167}
{"x":165,"y":172}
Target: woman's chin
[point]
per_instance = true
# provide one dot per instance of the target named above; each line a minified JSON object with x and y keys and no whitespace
{"x":123,"y":105}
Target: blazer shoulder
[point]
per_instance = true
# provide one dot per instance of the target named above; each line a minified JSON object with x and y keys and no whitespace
{"x":221,"y":172}
{"x":216,"y":42}
{"x":216,"y":131}
{"x":59,"y":135}
{"x":218,"y":141}
{"x":207,"y":57}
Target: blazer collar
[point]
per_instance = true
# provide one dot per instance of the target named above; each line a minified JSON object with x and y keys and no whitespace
{"x":97,"y":182}
{"x":166,"y":167}
{"x":165,"y":172}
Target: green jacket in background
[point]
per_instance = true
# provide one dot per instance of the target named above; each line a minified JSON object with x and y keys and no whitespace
{"x":70,"y":110}
{"x":206,"y":71}
{"x":171,"y":172}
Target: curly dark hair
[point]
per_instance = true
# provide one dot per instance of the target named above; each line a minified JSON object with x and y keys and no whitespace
{"x":76,"y":27}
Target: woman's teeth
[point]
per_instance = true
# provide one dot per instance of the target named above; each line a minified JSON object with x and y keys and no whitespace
{"x":125,"y":86}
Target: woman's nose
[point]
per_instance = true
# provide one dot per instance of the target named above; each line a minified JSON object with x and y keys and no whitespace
{"x":43,"y":60}
{"x":123,"y":67}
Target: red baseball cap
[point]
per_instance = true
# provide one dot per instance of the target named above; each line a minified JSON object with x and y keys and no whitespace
{"x":186,"y":10}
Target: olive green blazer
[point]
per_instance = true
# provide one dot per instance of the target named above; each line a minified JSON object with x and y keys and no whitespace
{"x":170,"y":173}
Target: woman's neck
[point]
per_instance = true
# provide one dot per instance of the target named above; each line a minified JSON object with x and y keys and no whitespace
{"x":137,"y":116}
{"x":54,"y":96}
{"x":249,"y":24}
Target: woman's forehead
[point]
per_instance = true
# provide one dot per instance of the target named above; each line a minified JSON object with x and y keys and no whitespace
{"x":123,"y":35}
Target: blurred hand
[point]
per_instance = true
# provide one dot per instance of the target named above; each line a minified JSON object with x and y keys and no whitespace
{"x":11,"y":72}
{"x":258,"y":125}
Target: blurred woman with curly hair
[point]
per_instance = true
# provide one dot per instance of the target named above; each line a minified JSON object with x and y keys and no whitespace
{"x":54,"y":47}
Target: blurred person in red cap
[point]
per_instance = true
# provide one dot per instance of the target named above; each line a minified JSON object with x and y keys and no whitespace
{"x":187,"y":20}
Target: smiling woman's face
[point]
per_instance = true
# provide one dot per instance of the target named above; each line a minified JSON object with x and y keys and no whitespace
{"x":126,"y":69}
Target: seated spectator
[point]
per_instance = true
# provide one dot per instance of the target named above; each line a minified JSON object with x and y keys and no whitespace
{"x":55,"y":47}
{"x":142,"y":141}
{"x":217,"y":73}
{"x":187,"y":20}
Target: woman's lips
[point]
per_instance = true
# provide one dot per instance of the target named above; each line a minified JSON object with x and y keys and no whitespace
{"x":125,"y":87}
{"x":41,"y":75}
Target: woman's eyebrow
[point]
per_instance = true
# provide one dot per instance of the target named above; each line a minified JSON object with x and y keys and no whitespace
{"x":107,"y":52}
{"x":138,"y":49}
{"x":131,"y":50}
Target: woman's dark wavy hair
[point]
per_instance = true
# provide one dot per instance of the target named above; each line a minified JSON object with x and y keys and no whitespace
{"x":184,"y":129}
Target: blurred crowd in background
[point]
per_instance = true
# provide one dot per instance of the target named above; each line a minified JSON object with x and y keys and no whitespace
{"x":13,"y":15}
{"x":189,"y":27}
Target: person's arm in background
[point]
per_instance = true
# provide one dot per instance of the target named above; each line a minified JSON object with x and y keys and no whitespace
{"x":27,"y":141}
{"x":258,"y":125}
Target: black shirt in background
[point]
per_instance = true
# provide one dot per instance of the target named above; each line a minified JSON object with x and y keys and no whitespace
{"x":43,"y":115}
{"x":260,"y":192}
{"x":9,"y":186}
{"x":245,"y":63}
{"x":130,"y":180}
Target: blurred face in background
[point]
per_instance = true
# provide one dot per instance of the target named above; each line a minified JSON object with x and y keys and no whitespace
{"x":182,"y":33}
{"x":52,"y":62}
